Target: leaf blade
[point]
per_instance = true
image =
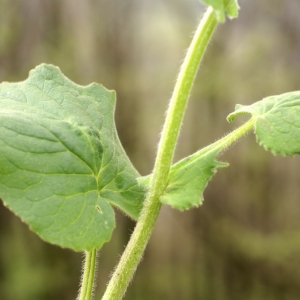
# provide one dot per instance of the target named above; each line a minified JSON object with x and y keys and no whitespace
{"x":188,"y":178}
{"x":276,"y":122}
{"x":59,"y":158}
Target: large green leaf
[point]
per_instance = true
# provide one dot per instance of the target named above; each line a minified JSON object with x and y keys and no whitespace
{"x":276,"y":122}
{"x":61,"y":162}
{"x":223,"y":8}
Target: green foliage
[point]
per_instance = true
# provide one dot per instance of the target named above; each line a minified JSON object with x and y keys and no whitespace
{"x":223,"y":8}
{"x":188,"y":178}
{"x":62,"y":166}
{"x":61,"y":162}
{"x":276,"y":122}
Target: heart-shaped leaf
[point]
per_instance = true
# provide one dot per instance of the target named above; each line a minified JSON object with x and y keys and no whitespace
{"x":61,"y":162}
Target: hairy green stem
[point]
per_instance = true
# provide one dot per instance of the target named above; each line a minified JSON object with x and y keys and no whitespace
{"x":233,"y":136}
{"x":223,"y":143}
{"x":142,"y":232}
{"x":89,"y":268}
{"x":228,"y":139}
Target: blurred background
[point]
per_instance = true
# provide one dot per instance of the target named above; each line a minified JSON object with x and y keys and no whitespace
{"x":244,"y":241}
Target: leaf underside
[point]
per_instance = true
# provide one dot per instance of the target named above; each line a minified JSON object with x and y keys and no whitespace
{"x":61,"y":163}
{"x":276,"y":122}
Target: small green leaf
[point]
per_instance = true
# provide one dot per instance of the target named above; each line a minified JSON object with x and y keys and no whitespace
{"x":223,"y":8}
{"x":61,"y":162}
{"x":276,"y":122}
{"x":188,"y":178}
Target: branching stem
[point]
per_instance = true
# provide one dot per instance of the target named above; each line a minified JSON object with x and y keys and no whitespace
{"x":144,"y":227}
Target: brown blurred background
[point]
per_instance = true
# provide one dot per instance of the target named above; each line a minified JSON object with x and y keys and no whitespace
{"x":244,"y":241}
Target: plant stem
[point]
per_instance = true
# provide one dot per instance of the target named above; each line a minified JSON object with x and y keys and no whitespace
{"x":144,"y":227}
{"x":221,"y":144}
{"x":233,"y":136}
{"x":88,"y":275}
{"x":228,"y":139}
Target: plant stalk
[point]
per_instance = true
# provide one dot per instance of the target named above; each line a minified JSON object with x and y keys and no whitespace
{"x":145,"y":224}
{"x":223,"y":143}
{"x":233,"y":136}
{"x":89,"y":268}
